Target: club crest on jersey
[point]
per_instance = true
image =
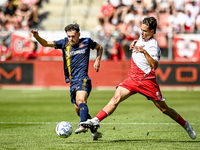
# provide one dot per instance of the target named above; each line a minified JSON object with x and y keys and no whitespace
{"x":142,"y":46}
{"x":81,"y":45}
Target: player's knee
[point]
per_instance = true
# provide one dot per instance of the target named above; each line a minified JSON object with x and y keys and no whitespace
{"x":79,"y":101}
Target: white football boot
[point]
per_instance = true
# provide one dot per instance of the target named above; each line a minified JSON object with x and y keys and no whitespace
{"x":91,"y":123}
{"x":80,"y":129}
{"x":96,"y":135}
{"x":190,"y":130}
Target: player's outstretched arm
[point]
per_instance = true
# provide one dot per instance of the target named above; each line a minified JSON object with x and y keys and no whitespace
{"x":42,"y":41}
{"x":153,"y":63}
{"x":98,"y":59}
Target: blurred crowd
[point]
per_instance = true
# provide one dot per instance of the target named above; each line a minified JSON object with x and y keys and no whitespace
{"x":120,"y":20}
{"x":19,"y":14}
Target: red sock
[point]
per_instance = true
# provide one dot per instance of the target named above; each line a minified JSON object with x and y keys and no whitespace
{"x":181,"y":121}
{"x":101,"y":115}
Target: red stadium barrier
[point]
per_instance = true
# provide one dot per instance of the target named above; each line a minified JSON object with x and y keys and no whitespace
{"x":111,"y":73}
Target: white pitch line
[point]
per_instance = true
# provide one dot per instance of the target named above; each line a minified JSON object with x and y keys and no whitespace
{"x":134,"y":123}
{"x":28,"y":122}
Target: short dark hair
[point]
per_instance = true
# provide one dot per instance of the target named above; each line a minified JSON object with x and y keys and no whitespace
{"x":151,"y":22}
{"x":72,"y":27}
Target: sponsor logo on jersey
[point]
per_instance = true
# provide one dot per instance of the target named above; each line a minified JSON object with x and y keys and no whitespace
{"x":80,"y":51}
{"x":81,"y":45}
{"x":142,"y":46}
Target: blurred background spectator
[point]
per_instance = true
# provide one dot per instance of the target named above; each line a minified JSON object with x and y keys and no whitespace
{"x":30,"y":48}
{"x":9,"y":17}
{"x":119,"y":13}
{"x":116,"y":51}
{"x":189,"y":22}
{"x":23,"y":15}
{"x":33,"y":5}
{"x":197,"y":23}
{"x":5,"y":51}
{"x":107,"y":12}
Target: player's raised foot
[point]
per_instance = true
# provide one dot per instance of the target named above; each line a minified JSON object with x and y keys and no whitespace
{"x":80,"y":129}
{"x":190,"y":130}
{"x":90,"y":123}
{"x":96,"y":135}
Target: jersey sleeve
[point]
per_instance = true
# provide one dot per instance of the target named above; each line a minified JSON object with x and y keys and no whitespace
{"x":155,"y":52}
{"x":59,"y":44}
{"x":92,"y":43}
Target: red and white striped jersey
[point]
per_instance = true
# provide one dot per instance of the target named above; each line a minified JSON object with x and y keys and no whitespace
{"x":140,"y":69}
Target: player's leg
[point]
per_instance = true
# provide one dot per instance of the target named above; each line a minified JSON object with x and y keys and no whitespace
{"x":79,"y":93}
{"x":81,"y":109}
{"x":77,"y":109}
{"x":81,"y":100}
{"x":121,"y":94}
{"x":175,"y":116}
{"x":168,"y":111}
{"x":81,"y":129}
{"x":124,"y":90}
{"x":151,"y":90}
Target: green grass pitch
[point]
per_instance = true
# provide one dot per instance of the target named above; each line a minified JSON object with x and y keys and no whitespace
{"x":28,"y":118}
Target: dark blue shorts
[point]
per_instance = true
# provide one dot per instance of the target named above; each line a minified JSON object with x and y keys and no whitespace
{"x":81,"y":85}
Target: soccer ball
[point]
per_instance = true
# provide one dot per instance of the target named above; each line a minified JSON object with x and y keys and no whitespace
{"x":64,"y":129}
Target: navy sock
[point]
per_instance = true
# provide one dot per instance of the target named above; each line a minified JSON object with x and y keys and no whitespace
{"x":89,"y":117}
{"x":83,"y":112}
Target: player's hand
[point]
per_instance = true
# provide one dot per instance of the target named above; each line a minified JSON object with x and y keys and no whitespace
{"x":96,"y":65}
{"x":138,"y":49}
{"x":35,"y":33}
{"x":133,"y":44}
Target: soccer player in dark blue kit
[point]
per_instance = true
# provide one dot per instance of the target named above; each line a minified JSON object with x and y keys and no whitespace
{"x":76,"y":52}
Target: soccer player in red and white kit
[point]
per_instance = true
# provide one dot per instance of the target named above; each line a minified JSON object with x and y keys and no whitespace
{"x":141,"y":79}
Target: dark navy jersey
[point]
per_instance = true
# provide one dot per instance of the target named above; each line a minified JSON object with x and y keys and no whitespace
{"x":75,"y":58}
